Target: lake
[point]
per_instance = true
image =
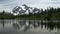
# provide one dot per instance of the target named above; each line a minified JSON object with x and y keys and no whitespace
{"x":16,"y":26}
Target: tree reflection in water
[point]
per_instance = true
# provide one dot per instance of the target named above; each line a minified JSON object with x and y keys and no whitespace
{"x":3,"y":23}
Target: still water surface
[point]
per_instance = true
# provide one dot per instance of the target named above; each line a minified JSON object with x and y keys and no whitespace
{"x":26,"y":27}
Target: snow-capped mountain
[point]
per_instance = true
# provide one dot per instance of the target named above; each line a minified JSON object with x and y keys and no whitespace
{"x":24,"y":9}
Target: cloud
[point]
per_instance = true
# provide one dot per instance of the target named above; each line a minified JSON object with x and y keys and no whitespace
{"x":8,"y":5}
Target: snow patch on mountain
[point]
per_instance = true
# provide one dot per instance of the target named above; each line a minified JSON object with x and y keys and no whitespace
{"x":24,"y":9}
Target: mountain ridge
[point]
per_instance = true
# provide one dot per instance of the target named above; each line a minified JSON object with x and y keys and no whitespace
{"x":24,"y":8}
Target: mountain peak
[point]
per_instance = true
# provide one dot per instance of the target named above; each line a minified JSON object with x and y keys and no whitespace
{"x":24,"y":5}
{"x":24,"y":8}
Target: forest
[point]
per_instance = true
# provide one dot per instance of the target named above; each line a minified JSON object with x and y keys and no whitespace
{"x":47,"y":14}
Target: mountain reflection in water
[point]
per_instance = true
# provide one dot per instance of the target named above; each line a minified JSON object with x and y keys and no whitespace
{"x":25,"y":25}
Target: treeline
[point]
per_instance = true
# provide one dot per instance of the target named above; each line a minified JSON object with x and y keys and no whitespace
{"x":6,"y":15}
{"x":47,"y":14}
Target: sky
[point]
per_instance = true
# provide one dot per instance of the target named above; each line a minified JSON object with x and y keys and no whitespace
{"x":8,"y":5}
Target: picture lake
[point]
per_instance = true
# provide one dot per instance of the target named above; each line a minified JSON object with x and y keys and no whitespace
{"x":16,"y":26}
